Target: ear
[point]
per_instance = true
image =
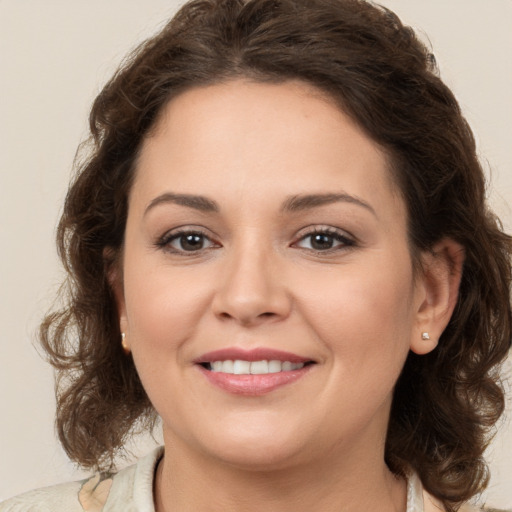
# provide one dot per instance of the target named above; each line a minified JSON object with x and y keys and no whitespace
{"x":113,"y":270}
{"x":438,"y":287}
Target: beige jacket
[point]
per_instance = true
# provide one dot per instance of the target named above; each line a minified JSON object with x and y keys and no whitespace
{"x":131,"y":490}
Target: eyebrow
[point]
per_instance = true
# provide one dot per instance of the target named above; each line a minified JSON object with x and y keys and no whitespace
{"x":308,"y":201}
{"x":292,"y":204}
{"x":200,"y":203}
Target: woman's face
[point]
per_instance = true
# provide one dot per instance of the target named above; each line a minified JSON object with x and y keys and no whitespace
{"x":263,"y":225}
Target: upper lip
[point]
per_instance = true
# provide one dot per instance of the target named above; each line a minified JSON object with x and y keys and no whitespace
{"x":256,"y":354}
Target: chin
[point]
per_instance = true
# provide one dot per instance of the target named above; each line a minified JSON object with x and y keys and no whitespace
{"x":258,"y":446}
{"x":259,"y":456}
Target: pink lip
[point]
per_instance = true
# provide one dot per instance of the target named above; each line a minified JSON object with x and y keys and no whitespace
{"x":257,"y":354}
{"x":253,"y":385}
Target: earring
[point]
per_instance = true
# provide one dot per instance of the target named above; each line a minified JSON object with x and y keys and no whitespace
{"x":124,"y":343}
{"x":425,"y":336}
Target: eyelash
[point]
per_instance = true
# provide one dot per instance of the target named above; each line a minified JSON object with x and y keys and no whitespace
{"x":165,"y":241}
{"x":345,"y":241}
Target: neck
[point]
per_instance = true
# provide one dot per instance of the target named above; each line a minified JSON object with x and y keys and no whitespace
{"x":327,"y":484}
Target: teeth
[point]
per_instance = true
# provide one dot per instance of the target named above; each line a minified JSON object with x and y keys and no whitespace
{"x":217,"y":366}
{"x":259,"y":367}
{"x":227,"y":366}
{"x":287,"y":366}
{"x":240,"y":367}
{"x":274,"y":366}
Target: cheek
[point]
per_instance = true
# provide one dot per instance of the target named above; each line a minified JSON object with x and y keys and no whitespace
{"x":362,"y":312}
{"x":163,"y":307}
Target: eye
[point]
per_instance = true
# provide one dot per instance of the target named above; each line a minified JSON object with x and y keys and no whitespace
{"x":185,"y":241}
{"x":324,"y":240}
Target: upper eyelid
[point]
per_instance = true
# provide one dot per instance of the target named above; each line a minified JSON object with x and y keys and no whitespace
{"x":319,"y":228}
{"x":347,"y":241}
{"x":180,"y":230}
{"x":164,"y":241}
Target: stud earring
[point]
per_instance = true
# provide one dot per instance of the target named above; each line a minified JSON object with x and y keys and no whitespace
{"x":425,"y":336}
{"x":124,"y":343}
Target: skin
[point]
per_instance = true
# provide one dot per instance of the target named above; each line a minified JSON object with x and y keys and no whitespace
{"x":355,"y":309}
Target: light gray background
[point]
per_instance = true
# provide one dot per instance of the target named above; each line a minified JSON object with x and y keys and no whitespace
{"x":54,"y":57}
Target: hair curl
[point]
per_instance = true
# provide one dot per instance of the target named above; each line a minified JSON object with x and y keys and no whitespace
{"x":446,"y":402}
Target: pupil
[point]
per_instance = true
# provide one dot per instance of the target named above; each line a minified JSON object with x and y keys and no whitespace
{"x":322,"y":241}
{"x":191,"y":242}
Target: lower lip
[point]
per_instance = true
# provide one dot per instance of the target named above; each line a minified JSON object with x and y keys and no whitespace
{"x":253,"y":385}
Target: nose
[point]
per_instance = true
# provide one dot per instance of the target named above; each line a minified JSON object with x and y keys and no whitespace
{"x":252,"y":290}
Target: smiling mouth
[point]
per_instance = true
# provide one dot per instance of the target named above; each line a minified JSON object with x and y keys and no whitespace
{"x":253,"y":372}
{"x":262,"y":367}
{"x":253,"y":378}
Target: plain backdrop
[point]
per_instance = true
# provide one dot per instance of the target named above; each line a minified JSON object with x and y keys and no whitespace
{"x":54,"y":57}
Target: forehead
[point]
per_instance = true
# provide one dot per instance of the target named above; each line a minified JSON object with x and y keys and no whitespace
{"x":240,"y":136}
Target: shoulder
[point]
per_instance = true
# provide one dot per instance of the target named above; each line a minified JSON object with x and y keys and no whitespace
{"x":57,"y":498}
{"x":469,"y":508}
{"x":419,"y":500}
{"x":474,"y":508}
{"x":130,"y":489}
{"x":433,"y":505}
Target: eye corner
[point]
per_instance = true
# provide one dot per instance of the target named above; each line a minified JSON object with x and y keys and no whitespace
{"x":329,"y":240}
{"x":186,"y":241}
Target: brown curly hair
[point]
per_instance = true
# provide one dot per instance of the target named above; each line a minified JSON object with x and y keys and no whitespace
{"x":445,"y":403}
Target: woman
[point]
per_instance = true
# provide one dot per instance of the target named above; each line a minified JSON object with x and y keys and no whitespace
{"x":279,"y":244}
